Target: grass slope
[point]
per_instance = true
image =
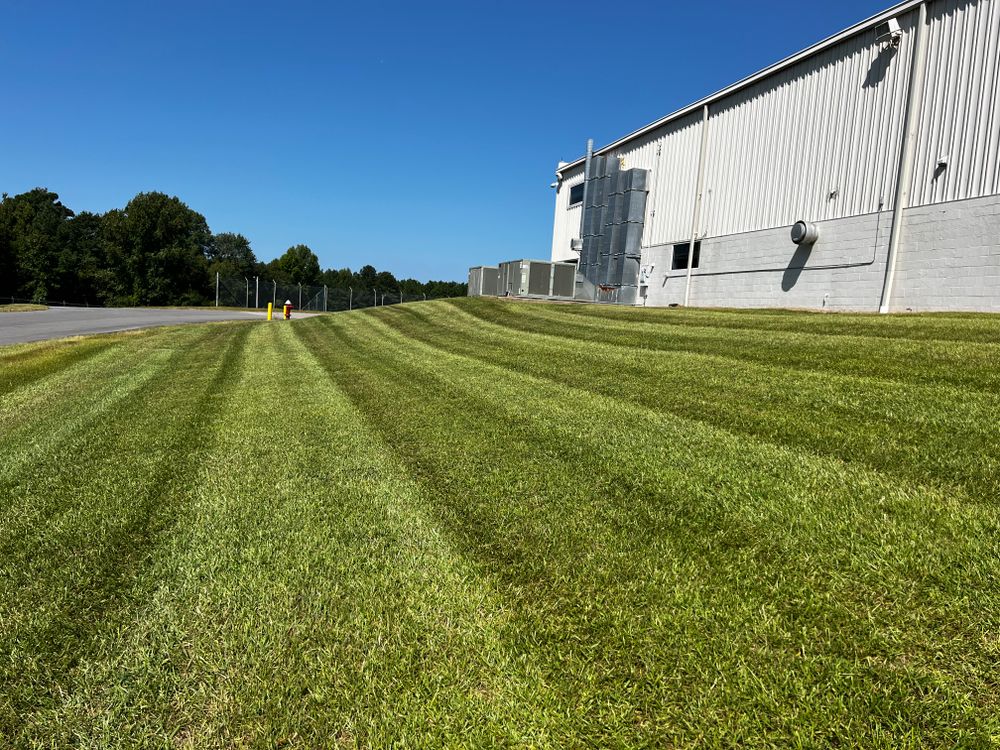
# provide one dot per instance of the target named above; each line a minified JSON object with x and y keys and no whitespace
{"x":487,"y":524}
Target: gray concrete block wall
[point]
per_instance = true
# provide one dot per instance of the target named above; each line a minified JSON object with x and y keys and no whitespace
{"x":951,"y":257}
{"x":949,"y":260}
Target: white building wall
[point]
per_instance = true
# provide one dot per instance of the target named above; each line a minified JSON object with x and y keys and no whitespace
{"x":820,"y":140}
{"x":842,"y":271}
{"x":950,"y":261}
{"x":566,"y":224}
{"x":950,"y":258}
{"x":960,"y":113}
{"x":671,"y":156}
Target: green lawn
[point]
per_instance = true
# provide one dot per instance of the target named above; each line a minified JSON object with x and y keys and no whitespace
{"x":18,"y":307}
{"x":480,"y":523}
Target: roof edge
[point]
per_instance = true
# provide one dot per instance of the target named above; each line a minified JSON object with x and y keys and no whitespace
{"x":808,"y":52}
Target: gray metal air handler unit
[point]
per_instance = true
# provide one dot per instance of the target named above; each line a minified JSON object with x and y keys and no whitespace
{"x":483,"y":281}
{"x":614,"y":211}
{"x":538,"y":279}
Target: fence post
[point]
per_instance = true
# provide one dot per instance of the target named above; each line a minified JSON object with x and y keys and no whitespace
{"x":400,"y":296}
{"x":247,"y":280}
{"x":350,"y":298}
{"x":326,"y":296}
{"x":300,"y":296}
{"x":256,"y":294}
{"x":274,"y":294}
{"x":216,"y":288}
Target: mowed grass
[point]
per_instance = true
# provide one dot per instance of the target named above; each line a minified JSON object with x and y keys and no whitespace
{"x":19,"y":307}
{"x":478,"y":523}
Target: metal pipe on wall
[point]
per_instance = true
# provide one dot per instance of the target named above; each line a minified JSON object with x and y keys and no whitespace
{"x":911,"y":127}
{"x":696,"y":215}
{"x":586,"y":179}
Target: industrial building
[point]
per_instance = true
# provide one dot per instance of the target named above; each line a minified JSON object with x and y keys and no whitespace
{"x":859,"y":174}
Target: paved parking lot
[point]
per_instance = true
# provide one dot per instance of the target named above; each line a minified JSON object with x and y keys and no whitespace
{"x":59,"y":322}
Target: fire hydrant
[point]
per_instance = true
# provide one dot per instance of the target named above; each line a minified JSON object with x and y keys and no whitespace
{"x":287,"y":309}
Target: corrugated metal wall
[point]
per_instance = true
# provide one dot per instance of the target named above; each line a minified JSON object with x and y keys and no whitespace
{"x":671,"y":156}
{"x":819,"y":140}
{"x":960,"y":112}
{"x":566,"y":225}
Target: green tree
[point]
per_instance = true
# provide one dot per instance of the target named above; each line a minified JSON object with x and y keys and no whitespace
{"x":81,"y":265}
{"x":29,"y":243}
{"x":230,"y":255}
{"x":338,"y":279}
{"x":157,"y":249}
{"x":298,"y":265}
{"x":411,"y":287}
{"x":386,"y":282}
{"x":366,"y":277}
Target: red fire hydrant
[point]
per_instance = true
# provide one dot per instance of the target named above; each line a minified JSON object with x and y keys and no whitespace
{"x":287,"y":309}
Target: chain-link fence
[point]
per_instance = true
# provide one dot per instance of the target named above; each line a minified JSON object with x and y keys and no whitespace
{"x":255,"y":292}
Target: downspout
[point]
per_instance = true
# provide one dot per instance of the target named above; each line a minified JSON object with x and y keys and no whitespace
{"x":586,"y":180}
{"x":696,"y":217}
{"x":583,"y":206}
{"x":904,"y":178}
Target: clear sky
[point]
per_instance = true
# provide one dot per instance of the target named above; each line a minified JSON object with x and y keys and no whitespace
{"x":418,"y":137}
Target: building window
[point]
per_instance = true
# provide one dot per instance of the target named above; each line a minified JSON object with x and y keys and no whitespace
{"x":576,"y":194}
{"x":680,"y":259}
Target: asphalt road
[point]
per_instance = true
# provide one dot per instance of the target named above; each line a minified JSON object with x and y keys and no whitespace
{"x":60,"y":322}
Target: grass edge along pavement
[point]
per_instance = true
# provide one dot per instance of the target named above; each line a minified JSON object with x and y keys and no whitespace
{"x":408,"y":535}
{"x":19,"y":307}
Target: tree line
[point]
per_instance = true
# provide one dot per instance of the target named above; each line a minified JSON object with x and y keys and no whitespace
{"x":155,"y":251}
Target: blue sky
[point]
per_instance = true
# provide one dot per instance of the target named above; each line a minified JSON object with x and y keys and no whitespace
{"x":418,"y":137}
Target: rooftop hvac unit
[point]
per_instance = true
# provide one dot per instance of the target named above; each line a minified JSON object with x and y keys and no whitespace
{"x":888,"y":32}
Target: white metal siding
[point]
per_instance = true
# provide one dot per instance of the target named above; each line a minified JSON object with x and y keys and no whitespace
{"x":673,"y":177}
{"x":819,"y":140}
{"x":566,"y":224}
{"x":960,"y":112}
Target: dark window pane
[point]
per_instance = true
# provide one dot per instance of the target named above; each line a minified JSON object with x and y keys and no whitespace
{"x":576,"y":194}
{"x":680,"y":259}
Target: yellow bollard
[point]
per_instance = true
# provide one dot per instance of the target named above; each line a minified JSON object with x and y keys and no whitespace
{"x":270,"y":310}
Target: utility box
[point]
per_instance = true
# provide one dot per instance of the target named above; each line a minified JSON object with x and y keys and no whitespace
{"x":483,"y":281}
{"x":538,"y":279}
{"x":563,"y":280}
{"x":509,"y":279}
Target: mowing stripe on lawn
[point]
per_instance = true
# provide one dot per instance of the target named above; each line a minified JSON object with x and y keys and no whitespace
{"x":426,"y":526}
{"x":515,"y":539}
{"x":314,"y":605}
{"x":22,"y":364}
{"x":37,"y":423}
{"x":940,"y":435}
{"x":952,"y":327}
{"x":970,"y":365}
{"x":66,"y":578}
